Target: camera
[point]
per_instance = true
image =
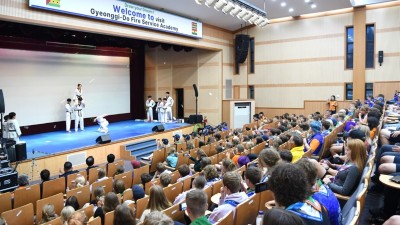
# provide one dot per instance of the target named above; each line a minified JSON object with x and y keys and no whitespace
{"x":182,"y":206}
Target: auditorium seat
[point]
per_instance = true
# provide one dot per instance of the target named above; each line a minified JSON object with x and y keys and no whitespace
{"x":174,"y":176}
{"x":107,"y":184}
{"x":247,"y":211}
{"x":158,"y":156}
{"x":95,"y":221}
{"x":127,"y":195}
{"x":216,"y":187}
{"x":72,"y":177}
{"x":5,"y":199}
{"x":138,"y":172}
{"x":93,"y":173}
{"x":174,"y":213}
{"x":53,"y":187}
{"x":126,"y":177}
{"x":89,"y":211}
{"x":56,"y":221}
{"x":265,"y":196}
{"x":141,"y":205}
{"x":226,"y":220}
{"x":56,"y":200}
{"x":148,"y":185}
{"x":82,"y":194}
{"x":112,"y":167}
{"x":18,"y":216}
{"x":109,"y":218}
{"x":25,"y":195}
{"x":173,"y":190}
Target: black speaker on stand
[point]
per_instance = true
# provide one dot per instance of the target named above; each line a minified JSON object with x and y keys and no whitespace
{"x":103,"y":139}
{"x":380,"y":58}
{"x":20,"y":151}
{"x":158,"y":128}
{"x":193,"y":119}
{"x":242,"y":42}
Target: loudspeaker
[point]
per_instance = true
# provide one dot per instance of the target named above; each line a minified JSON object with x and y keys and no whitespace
{"x":20,"y":151}
{"x":103,"y":139}
{"x":242,"y":47}
{"x":193,"y":119}
{"x":11,"y":154}
{"x":380,"y":58}
{"x":196,"y":93}
{"x":158,"y":128}
{"x":2,"y":106}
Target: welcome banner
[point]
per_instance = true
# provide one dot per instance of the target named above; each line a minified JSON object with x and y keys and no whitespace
{"x":125,"y":13}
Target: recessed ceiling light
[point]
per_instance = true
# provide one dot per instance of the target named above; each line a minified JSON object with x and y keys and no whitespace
{"x":291,"y":10}
{"x":307,"y":1}
{"x":283,"y":4}
{"x":313,"y":6}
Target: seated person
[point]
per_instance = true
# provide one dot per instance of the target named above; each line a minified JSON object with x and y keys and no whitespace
{"x":184,"y":172}
{"x":325,"y":128}
{"x":286,"y":156}
{"x":197,"y":161}
{"x":110,"y":159}
{"x":322,"y":193}
{"x":165,"y":180}
{"x":196,"y":202}
{"x":160,"y":169}
{"x":44,"y":176}
{"x":145,"y":178}
{"x":90,"y":164}
{"x":23,"y":181}
{"x":157,"y":201}
{"x":315,"y":142}
{"x":172,"y":158}
{"x":198,"y":183}
{"x":281,"y":217}
{"x":288,"y":178}
{"x":297,"y":147}
{"x":252,"y":177}
{"x":67,"y":170}
{"x":120,"y":170}
{"x":211,"y":175}
{"x":119,"y":187}
{"x":344,"y":181}
{"x":48,"y":213}
{"x":268,"y":158}
{"x":230,"y":196}
{"x":238,"y":152}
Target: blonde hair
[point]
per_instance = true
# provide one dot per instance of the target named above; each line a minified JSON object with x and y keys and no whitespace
{"x":367,"y":131}
{"x":157,"y":200}
{"x":157,"y":218}
{"x":66,"y":213}
{"x":80,"y":181}
{"x":358,"y":153}
{"x":77,"y":218}
{"x":48,"y":213}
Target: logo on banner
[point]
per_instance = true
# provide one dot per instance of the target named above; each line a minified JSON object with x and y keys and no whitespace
{"x":54,"y":3}
{"x":194,"y":28}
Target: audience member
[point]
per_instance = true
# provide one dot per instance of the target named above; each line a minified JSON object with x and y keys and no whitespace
{"x":184,"y":172}
{"x":165,"y":180}
{"x":160,"y":169}
{"x":211,"y":175}
{"x":268,"y":158}
{"x":196,"y":202}
{"x":44,"y":176}
{"x":286,"y":156}
{"x":119,"y":187}
{"x":230,"y":196}
{"x":172,"y":158}
{"x":157,"y":218}
{"x":110,"y":203}
{"x":66,"y":213}
{"x":78,"y":218}
{"x":252,"y":177}
{"x":157,"y":201}
{"x":23,"y":180}
{"x":291,"y":191}
{"x":315,"y":142}
{"x":120,"y":170}
{"x":72,"y":201}
{"x":123,"y":215}
{"x":90,"y":164}
{"x":48,"y":213}
{"x":67,"y":171}
{"x":198,"y":183}
{"x":278,"y":216}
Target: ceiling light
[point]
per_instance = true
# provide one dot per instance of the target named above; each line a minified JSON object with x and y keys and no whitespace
{"x":264,"y":23}
{"x":254,"y":18}
{"x":236,"y":10}
{"x":313,"y":6}
{"x":209,"y":3}
{"x":248,"y":16}
{"x":307,"y":1}
{"x":228,"y":7}
{"x":291,"y":10}
{"x":242,"y":13}
{"x":199,"y":1}
{"x":220,"y":4}
{"x":283,"y":4}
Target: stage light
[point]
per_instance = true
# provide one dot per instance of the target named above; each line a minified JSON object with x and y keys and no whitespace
{"x":200,"y":2}
{"x":228,"y":7}
{"x":220,"y":4}
{"x":242,"y":13}
{"x":264,"y":23}
{"x":313,"y":6}
{"x":291,"y":10}
{"x":236,"y":10}
{"x":254,"y":19}
{"x":248,"y":16}
{"x":209,"y":3}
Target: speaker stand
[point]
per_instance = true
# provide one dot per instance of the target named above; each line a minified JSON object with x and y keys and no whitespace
{"x":196,"y":105}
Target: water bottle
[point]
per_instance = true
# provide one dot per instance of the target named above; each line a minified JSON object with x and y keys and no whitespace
{"x":259,"y":218}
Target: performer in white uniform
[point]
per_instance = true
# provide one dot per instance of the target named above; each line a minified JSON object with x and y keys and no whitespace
{"x":163,"y":110}
{"x":158,"y":109}
{"x":68,"y":112}
{"x":5,"y":127}
{"x":149,"y":108}
{"x":78,"y":92}
{"x":14,"y":132}
{"x":79,"y":114}
{"x":169,"y":104}
{"x":102,"y":122}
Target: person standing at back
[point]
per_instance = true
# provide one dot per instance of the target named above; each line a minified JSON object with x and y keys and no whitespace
{"x":79,"y":114}
{"x":170,"y":103}
{"x":14,"y":132}
{"x":68,"y":112}
{"x":332,"y":104}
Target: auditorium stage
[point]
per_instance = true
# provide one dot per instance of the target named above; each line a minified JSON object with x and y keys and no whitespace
{"x":45,"y":144}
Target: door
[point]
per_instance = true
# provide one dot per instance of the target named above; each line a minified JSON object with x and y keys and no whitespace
{"x":179,"y":103}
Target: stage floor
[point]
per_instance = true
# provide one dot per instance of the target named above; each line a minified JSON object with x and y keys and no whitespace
{"x":38,"y":145}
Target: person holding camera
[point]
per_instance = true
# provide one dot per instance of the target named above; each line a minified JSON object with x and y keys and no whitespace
{"x":332,"y":104}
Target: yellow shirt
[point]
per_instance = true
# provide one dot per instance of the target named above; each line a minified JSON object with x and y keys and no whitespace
{"x":297,"y":153}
